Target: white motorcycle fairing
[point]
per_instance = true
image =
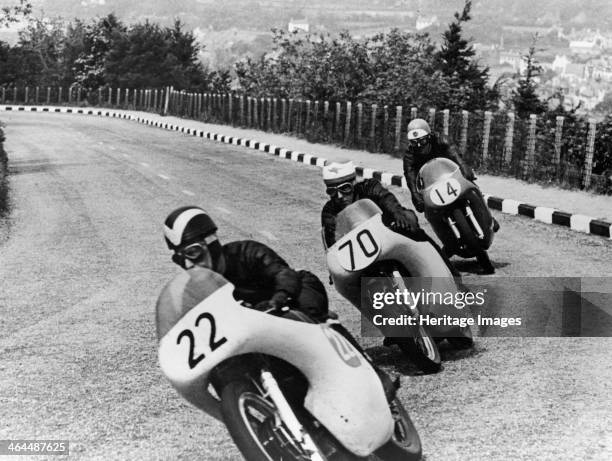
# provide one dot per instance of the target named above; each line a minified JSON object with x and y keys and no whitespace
{"x":419,"y":258}
{"x":200,"y":325}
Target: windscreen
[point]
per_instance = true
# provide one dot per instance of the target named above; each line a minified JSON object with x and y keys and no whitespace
{"x":183,"y":293}
{"x":354,"y":215}
{"x":435,"y":170}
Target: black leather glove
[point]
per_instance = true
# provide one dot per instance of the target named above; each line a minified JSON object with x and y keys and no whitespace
{"x":406,"y":220}
{"x":418,"y":203}
{"x":278,"y":300}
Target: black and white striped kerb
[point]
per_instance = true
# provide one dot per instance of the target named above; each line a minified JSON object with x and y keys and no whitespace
{"x":577,"y":222}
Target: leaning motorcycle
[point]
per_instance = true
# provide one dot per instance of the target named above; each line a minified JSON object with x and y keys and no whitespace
{"x":285,"y":389}
{"x":369,"y":258}
{"x":456,"y":211}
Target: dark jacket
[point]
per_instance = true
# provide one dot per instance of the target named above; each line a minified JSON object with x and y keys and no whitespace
{"x":414,"y":161}
{"x":369,"y":188}
{"x":258,"y":273}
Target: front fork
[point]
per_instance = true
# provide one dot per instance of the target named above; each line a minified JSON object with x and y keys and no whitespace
{"x":470,"y":215}
{"x":288,"y":417}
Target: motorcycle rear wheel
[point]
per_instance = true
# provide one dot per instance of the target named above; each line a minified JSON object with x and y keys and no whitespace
{"x":251,"y":419}
{"x":471,"y":241}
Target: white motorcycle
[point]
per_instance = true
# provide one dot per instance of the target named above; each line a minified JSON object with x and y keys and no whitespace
{"x":285,"y":389}
{"x":387,"y":261}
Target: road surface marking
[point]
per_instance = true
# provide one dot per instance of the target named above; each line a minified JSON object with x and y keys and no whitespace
{"x":268,"y":235}
{"x":163,"y":176}
{"x":146,"y":165}
{"x":188,"y":192}
{"x":223,"y":210}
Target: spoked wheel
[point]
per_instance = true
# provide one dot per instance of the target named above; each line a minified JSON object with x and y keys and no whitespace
{"x":405,"y":443}
{"x":422,"y":350}
{"x":258,"y":431}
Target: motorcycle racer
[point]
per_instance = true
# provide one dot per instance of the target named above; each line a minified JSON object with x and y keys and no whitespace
{"x":423,"y":146}
{"x":343,"y":189}
{"x":260,"y":276}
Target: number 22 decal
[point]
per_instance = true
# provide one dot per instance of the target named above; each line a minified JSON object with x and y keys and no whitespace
{"x":214,"y":344}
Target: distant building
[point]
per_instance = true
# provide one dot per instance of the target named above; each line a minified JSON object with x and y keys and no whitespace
{"x":584,"y":46}
{"x":513,"y":59}
{"x":560,"y":64}
{"x":298,"y":24}
{"x":423,"y":22}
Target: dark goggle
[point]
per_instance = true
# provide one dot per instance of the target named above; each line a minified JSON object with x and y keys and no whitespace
{"x":420,"y":142}
{"x":196,"y":251}
{"x":345,"y":189}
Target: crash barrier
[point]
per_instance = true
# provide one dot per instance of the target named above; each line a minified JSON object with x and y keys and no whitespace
{"x":577,"y":222}
{"x":566,"y":150}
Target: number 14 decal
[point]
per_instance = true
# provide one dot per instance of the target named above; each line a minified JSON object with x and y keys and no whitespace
{"x":213,"y":344}
{"x":445,"y":192}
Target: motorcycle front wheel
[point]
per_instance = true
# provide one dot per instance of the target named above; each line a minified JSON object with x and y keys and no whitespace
{"x":422,"y":350}
{"x":258,"y":431}
{"x":405,"y":443}
{"x":471,"y":241}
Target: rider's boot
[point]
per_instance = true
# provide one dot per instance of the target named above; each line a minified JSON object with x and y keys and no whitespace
{"x":495,"y":225}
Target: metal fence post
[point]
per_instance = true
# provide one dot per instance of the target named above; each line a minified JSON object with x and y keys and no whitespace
{"x":398,"y":126}
{"x":359,"y":121}
{"x":486,"y":131}
{"x":445,"y":124}
{"x":531,"y":144}
{"x":558,"y":140}
{"x":373,"y":127}
{"x":432,"y":117}
{"x":465,"y":117}
{"x":509,"y":139}
{"x":338,"y":112}
{"x":588,"y":162}
{"x":347,"y":122}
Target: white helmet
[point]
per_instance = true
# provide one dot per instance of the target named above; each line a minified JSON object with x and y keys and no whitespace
{"x":417,"y":129}
{"x":339,"y":172}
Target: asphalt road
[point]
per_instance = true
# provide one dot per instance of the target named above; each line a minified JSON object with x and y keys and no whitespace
{"x":85,"y":260}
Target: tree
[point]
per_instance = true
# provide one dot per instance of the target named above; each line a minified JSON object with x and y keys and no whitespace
{"x":148,"y":55}
{"x":10,"y":14}
{"x":456,"y":60}
{"x":97,"y":42}
{"x":404,"y":71}
{"x":525,"y":99}
{"x":40,"y":48}
{"x":396,"y":68}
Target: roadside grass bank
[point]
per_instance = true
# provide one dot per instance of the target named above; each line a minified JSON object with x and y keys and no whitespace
{"x":4,"y":186}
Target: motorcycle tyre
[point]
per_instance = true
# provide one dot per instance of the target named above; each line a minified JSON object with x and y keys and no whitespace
{"x":414,"y":352}
{"x":465,"y":341}
{"x":241,"y":435}
{"x":471,"y":241}
{"x":409,"y":449}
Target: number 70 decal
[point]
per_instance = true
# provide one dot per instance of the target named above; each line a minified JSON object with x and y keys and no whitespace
{"x":358,"y":250}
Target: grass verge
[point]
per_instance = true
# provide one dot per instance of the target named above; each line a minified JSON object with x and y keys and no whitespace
{"x":4,"y":192}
